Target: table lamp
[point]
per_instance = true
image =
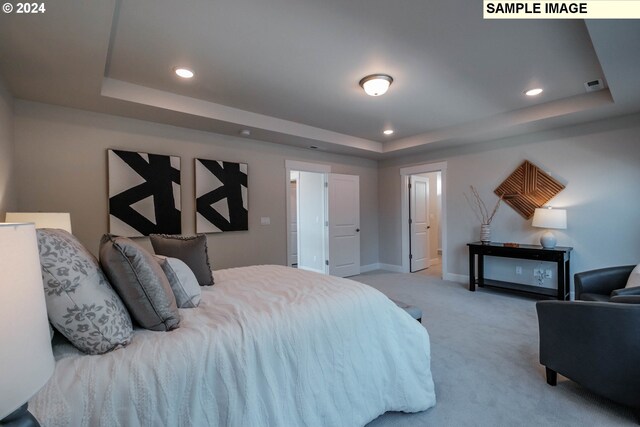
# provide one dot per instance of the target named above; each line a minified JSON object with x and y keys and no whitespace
{"x":61,"y":220}
{"x":549,"y":218}
{"x":26,"y":357}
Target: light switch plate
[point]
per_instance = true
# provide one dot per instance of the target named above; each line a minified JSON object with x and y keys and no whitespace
{"x":265,"y":220}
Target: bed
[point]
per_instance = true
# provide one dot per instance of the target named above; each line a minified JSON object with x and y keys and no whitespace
{"x":268,"y":346}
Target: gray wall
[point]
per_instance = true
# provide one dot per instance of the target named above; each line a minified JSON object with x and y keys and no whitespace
{"x":7,"y":186}
{"x":62,"y":161}
{"x":598,"y":162}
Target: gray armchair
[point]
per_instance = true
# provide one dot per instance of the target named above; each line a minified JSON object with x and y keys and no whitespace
{"x":604,"y":284}
{"x":594,"y":344}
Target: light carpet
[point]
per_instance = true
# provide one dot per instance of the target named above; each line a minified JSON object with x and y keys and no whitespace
{"x":484,"y":349}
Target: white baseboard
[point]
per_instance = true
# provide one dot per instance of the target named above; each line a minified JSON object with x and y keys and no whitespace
{"x":460,"y":278}
{"x":391,"y":267}
{"x":369,"y":267}
{"x":380,"y":266}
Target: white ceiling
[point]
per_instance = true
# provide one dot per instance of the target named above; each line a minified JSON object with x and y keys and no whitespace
{"x":289,"y":69}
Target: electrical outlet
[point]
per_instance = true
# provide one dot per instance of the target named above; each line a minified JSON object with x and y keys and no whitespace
{"x":518,"y":270}
{"x":548,"y":274}
{"x":537,"y":272}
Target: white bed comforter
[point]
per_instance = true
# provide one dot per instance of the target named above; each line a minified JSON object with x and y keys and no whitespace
{"x":268,"y":346}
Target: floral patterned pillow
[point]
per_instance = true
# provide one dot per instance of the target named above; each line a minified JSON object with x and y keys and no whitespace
{"x":81,"y":304}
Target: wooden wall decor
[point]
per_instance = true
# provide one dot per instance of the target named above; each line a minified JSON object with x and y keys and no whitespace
{"x":528,"y":188}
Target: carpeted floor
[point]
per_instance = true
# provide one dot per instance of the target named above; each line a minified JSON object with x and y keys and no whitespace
{"x":484,"y":348}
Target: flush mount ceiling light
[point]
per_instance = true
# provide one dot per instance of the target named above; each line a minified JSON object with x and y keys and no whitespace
{"x":533,"y":92}
{"x":376,"y":84}
{"x":388,"y":131}
{"x":185,"y":73}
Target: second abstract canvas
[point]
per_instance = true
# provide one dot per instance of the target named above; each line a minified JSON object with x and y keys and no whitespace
{"x":221,"y":196}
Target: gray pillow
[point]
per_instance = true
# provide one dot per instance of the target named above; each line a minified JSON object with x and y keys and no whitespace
{"x":141,"y":283}
{"x":192,"y":250}
{"x":183,"y":282}
{"x":81,"y":304}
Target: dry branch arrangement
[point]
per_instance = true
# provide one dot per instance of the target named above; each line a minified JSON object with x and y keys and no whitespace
{"x":480,"y":209}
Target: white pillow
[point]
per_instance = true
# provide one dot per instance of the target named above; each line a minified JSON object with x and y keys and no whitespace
{"x":634,"y":278}
{"x":183,"y":281}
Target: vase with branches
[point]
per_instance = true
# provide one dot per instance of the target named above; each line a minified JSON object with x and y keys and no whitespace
{"x":482,"y":213}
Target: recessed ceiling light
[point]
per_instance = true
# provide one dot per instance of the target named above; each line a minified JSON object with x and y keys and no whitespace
{"x":376,"y":84}
{"x":245,"y":132}
{"x":533,"y":92}
{"x":388,"y":132}
{"x":185,"y":73}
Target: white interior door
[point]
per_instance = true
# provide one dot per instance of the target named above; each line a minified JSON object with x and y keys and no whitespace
{"x":344,"y":225}
{"x":419,"y":218}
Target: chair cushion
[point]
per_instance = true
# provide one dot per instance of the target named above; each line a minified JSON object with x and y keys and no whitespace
{"x":594,"y":297}
{"x":81,"y":304}
{"x":634,"y":278}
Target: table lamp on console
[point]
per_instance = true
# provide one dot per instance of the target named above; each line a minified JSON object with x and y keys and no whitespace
{"x":26,"y":357}
{"x":549,"y":218}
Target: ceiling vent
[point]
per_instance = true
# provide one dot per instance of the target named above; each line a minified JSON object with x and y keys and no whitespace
{"x":594,"y":85}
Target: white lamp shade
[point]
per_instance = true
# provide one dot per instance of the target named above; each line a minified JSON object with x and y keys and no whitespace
{"x":26,"y":357}
{"x":61,"y":220}
{"x":550,"y":218}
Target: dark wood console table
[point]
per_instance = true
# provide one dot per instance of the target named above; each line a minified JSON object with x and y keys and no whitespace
{"x":560,"y":255}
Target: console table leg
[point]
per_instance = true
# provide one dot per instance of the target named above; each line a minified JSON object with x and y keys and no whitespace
{"x":562,"y":281}
{"x":472,"y":271}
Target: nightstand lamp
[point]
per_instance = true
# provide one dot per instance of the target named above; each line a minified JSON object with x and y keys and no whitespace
{"x":549,"y":218}
{"x":26,"y":357}
{"x":61,"y":220}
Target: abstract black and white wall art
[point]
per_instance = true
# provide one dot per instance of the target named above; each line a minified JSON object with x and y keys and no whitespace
{"x":144,"y":193}
{"x":221,"y":196}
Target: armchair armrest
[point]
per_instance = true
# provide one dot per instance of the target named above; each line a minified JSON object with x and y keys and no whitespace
{"x":594,"y":344}
{"x":626,"y":291}
{"x":626,"y":299}
{"x":602,"y":281}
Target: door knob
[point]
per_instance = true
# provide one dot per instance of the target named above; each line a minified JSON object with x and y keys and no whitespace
{"x":357,"y":230}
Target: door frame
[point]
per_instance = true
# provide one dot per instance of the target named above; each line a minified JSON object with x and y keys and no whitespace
{"x":405,"y":173}
{"x":295,"y":165}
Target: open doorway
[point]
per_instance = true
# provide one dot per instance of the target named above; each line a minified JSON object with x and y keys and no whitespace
{"x":323,"y":219}
{"x":425,"y":236}
{"x":308,"y":233}
{"x":424,"y":219}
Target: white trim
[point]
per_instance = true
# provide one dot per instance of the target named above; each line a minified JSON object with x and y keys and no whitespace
{"x":306,"y":166}
{"x":459,"y":278}
{"x":369,"y":267}
{"x":391,"y":267}
{"x":426,"y":168}
{"x":379,"y":266}
{"x":405,"y":173}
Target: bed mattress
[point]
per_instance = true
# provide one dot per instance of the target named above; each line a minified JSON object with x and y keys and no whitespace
{"x":268,"y":346}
